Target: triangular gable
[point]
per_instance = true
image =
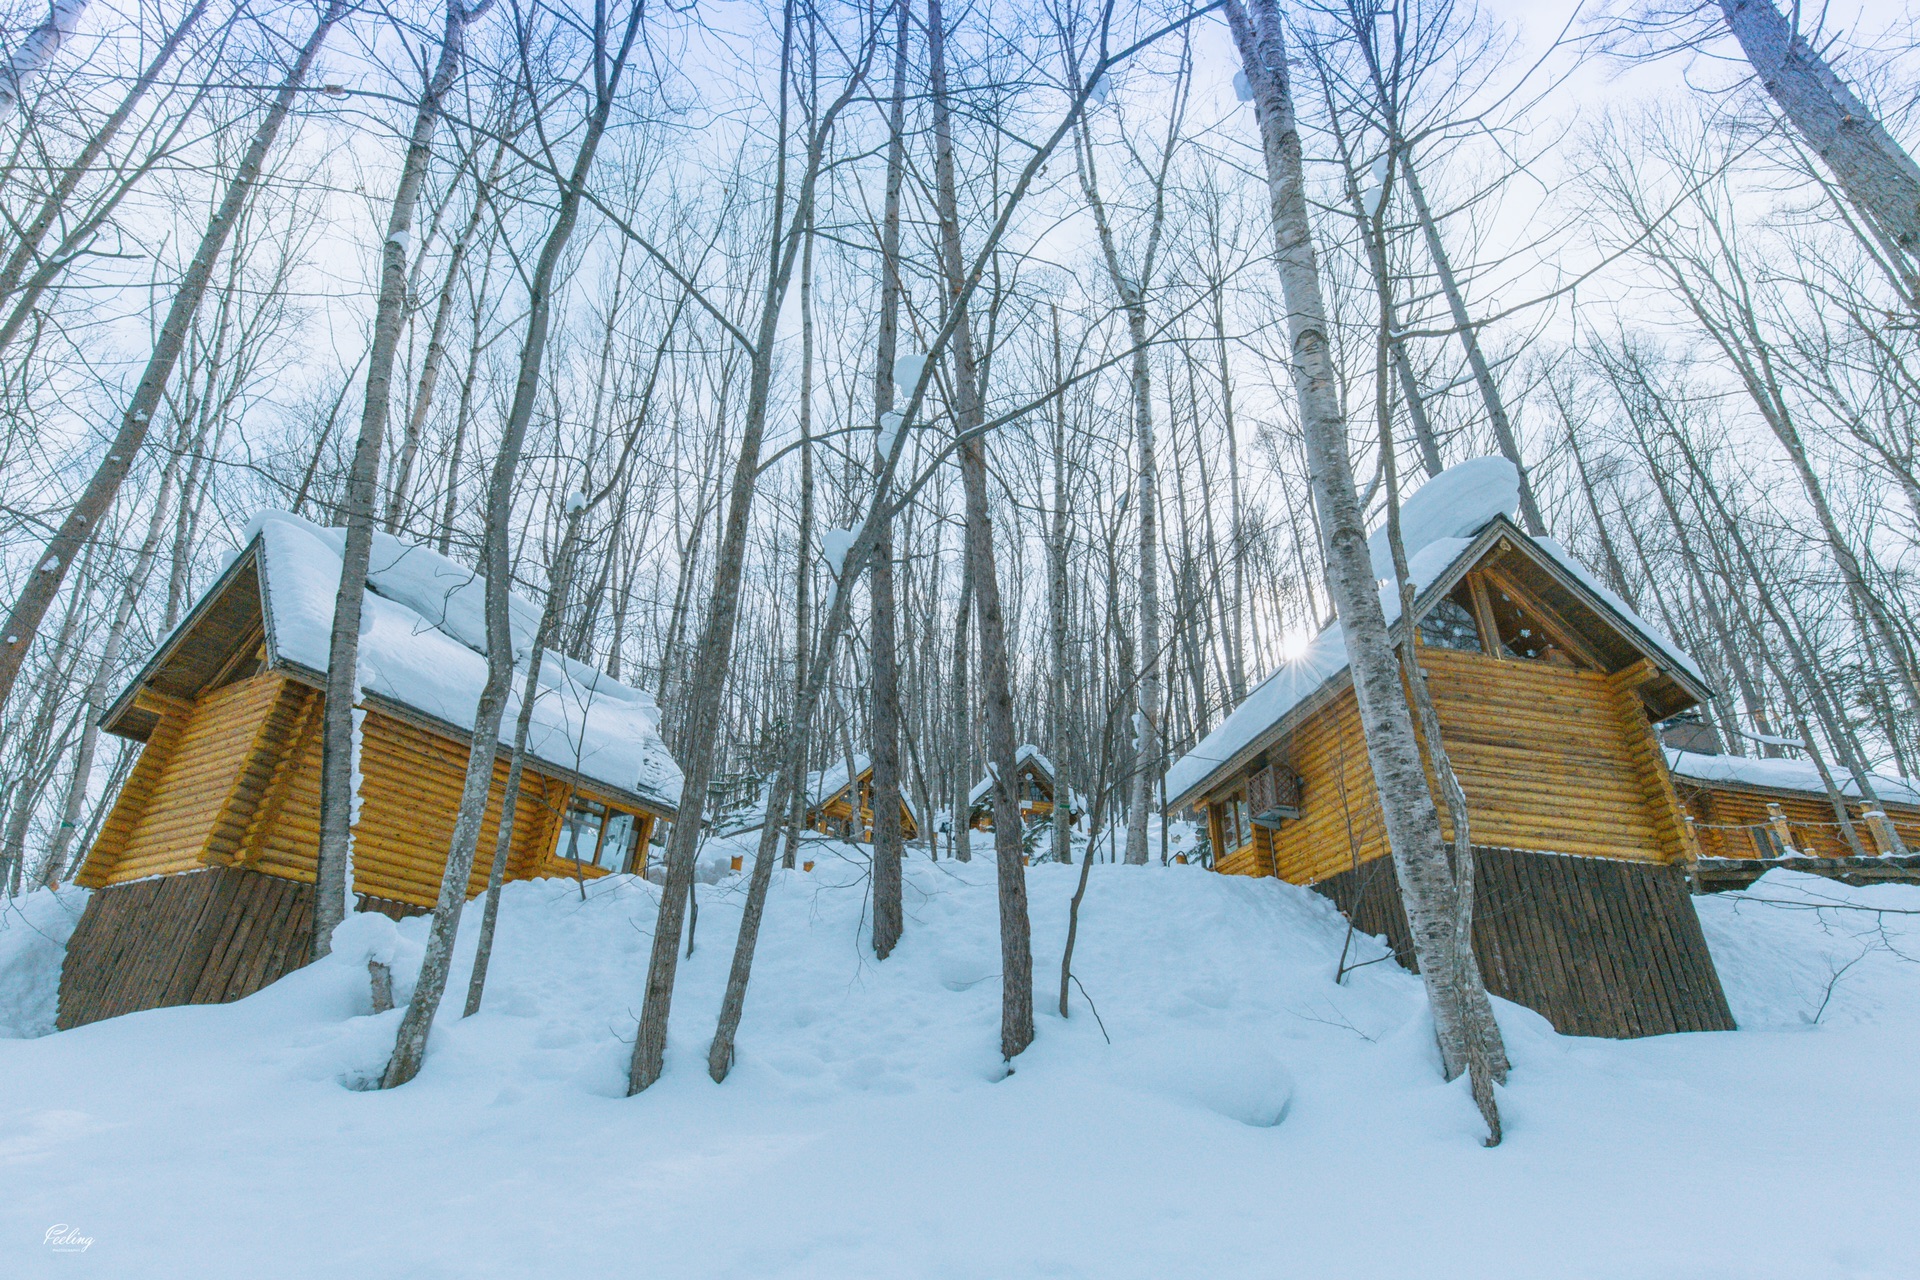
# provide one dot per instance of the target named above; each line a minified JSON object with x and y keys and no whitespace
{"x":1027,"y":759}
{"x":1539,"y":566}
{"x":224,"y":625}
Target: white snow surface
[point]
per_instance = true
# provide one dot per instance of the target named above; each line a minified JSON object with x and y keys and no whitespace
{"x":1457,"y":503}
{"x":423,"y":644}
{"x":1437,"y":523}
{"x":1249,"y":1117}
{"x":1783,"y":775}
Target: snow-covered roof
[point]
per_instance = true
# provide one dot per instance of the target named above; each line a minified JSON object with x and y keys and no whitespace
{"x":824,"y":784}
{"x":1439,"y":524}
{"x":1027,"y":753}
{"x":423,"y":646}
{"x":1782,"y":775}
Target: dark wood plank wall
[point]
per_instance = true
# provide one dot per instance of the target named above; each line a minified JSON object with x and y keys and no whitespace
{"x":200,"y":937}
{"x":1599,"y":946}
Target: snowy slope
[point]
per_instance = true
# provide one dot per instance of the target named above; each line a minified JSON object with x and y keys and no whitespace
{"x":870,"y":1130}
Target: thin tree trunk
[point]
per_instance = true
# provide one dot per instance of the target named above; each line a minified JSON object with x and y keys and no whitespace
{"x":1461,"y":1011}
{"x":884,"y":720}
{"x":98,"y":688}
{"x":559,"y":582}
{"x":715,"y":652}
{"x":410,"y":1044}
{"x":331,"y":892}
{"x":51,"y":566}
{"x":436,"y":356}
{"x":1016,"y":950}
{"x":1057,"y":609}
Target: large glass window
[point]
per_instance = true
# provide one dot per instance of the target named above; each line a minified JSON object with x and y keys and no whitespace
{"x":592,"y":833}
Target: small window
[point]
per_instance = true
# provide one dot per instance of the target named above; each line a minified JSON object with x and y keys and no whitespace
{"x":1450,"y":625}
{"x":596,"y":835}
{"x":1236,"y":831}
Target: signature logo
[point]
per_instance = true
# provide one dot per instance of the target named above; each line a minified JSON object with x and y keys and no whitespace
{"x":62,"y":1238}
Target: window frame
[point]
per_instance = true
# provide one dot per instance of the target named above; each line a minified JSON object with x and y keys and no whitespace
{"x":577,"y":802}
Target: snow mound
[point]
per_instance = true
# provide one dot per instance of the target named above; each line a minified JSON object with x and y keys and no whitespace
{"x":34,"y":929}
{"x":1214,"y":1091}
{"x":1795,"y":950}
{"x":1457,"y":503}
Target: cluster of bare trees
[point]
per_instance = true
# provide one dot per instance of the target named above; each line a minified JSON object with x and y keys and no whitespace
{"x":871,"y":377}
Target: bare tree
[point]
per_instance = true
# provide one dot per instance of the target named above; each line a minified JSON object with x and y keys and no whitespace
{"x":1463,"y":1016}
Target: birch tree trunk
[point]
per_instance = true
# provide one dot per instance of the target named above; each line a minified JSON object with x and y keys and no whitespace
{"x":410,"y":1044}
{"x":1462,"y":1013}
{"x":889,"y":839}
{"x":43,"y":584}
{"x":331,"y":892}
{"x":1875,"y":172}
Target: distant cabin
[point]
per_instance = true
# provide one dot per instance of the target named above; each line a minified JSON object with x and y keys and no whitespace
{"x":1547,"y":687}
{"x":831,"y":799}
{"x":1748,"y":811}
{"x":202,"y":874}
{"x":1034,"y":787}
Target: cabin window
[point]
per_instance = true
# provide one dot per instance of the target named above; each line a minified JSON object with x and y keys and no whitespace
{"x":1766,"y":843}
{"x":592,"y":833}
{"x":1522,"y":634}
{"x":1236,"y":831}
{"x":1450,"y":625}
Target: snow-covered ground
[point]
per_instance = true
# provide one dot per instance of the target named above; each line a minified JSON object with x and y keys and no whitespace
{"x":1248,"y":1118}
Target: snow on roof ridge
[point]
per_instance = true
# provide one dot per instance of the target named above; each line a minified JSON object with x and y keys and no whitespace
{"x":1782,"y":775}
{"x":423,"y":646}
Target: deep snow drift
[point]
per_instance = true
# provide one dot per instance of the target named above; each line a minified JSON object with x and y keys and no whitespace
{"x":1249,"y":1117}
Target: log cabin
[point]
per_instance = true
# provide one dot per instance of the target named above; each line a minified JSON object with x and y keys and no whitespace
{"x":1750,"y":814}
{"x":202,"y":873}
{"x":1034,"y":780}
{"x":830,"y":801}
{"x":1547,"y":688}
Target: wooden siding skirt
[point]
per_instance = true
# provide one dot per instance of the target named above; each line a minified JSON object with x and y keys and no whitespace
{"x":198,"y":937}
{"x":1599,"y":946}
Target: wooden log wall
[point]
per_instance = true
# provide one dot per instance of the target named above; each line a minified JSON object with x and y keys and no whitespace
{"x":201,"y":937}
{"x":1725,"y":815}
{"x":204,"y":760}
{"x":234,"y":779}
{"x":1599,"y":946}
{"x":1551,"y":758}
